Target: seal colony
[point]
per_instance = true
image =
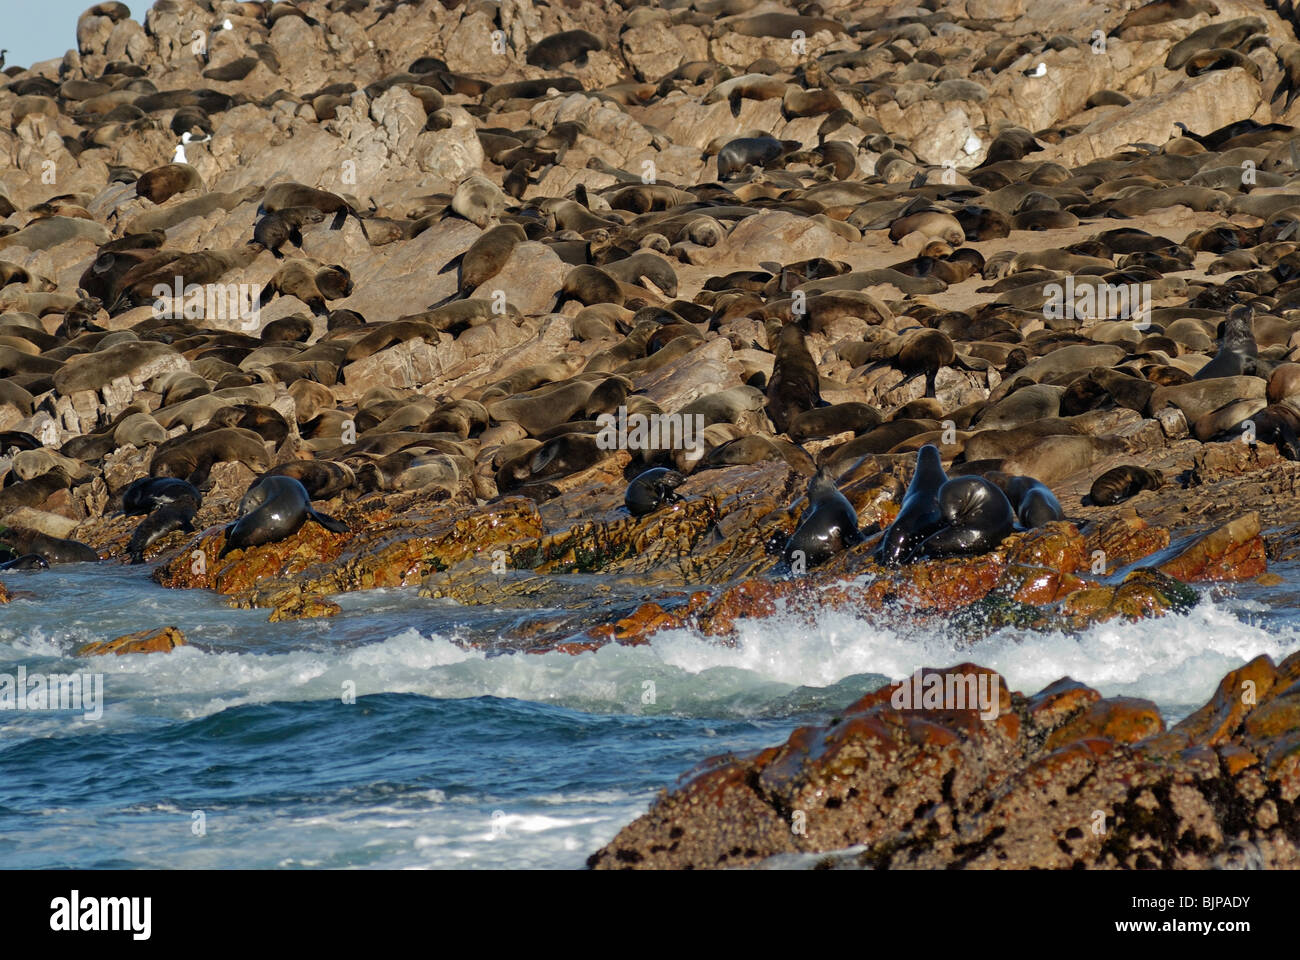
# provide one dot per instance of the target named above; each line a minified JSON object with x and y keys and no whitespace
{"x":977,"y":313}
{"x":793,"y":254}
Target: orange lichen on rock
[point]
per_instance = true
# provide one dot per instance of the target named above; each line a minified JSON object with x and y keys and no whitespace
{"x":1233,"y":551}
{"x":164,"y":640}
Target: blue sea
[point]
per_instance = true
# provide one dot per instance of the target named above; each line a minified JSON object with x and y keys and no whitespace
{"x":381,"y":738}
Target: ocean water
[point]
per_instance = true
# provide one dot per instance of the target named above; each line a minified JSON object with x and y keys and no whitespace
{"x":373,"y":739}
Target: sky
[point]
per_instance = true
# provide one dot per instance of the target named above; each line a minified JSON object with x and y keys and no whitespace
{"x":35,"y":30}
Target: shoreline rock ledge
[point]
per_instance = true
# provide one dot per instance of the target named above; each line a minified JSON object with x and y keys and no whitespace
{"x":1062,"y":779}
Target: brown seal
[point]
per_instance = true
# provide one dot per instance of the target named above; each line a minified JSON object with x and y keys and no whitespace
{"x":1121,"y":483}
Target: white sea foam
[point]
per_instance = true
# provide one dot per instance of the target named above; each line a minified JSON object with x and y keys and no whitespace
{"x":1175,"y":660}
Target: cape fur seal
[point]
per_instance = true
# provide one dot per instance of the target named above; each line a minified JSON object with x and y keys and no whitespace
{"x":919,"y":516}
{"x":829,"y":525}
{"x":53,"y":550}
{"x":795,"y":386}
{"x":742,"y":152}
{"x":564,"y":47}
{"x":977,"y":516}
{"x":149,"y":493}
{"x":275,"y":507}
{"x":488,"y":254}
{"x":478,"y":200}
{"x":282,"y":196}
{"x":1121,"y":483}
{"x":166,"y":519}
{"x":192,"y":456}
{"x":162,"y":183}
{"x":284,"y":226}
{"x":651,"y":490}
{"x":1238,"y":351}
{"x":1034,"y":503}
{"x":311,"y":283}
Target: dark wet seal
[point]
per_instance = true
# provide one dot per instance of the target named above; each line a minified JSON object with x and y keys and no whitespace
{"x":828,"y":526}
{"x":275,"y":507}
{"x":651,"y":490}
{"x":919,"y":516}
{"x":977,"y":517}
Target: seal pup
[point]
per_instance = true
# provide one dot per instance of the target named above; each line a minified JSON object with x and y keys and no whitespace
{"x":977,"y":517}
{"x":275,"y":507}
{"x":282,"y":196}
{"x":1120,"y":483}
{"x":919,"y":516}
{"x":828,"y":525}
{"x":284,"y":226}
{"x":564,"y":47}
{"x":651,"y":490}
{"x":171,"y":504}
{"x":310,"y":282}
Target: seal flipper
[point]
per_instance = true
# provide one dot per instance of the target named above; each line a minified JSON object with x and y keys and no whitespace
{"x":852,"y":536}
{"x":28,"y":561}
{"x":328,"y":522}
{"x":913,"y":548}
{"x":1288,"y":444}
{"x":228,"y":546}
{"x":775,"y":545}
{"x":950,"y":541}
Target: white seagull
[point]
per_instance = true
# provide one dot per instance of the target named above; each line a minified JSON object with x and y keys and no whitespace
{"x":1038,"y":71}
{"x":186,"y":137}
